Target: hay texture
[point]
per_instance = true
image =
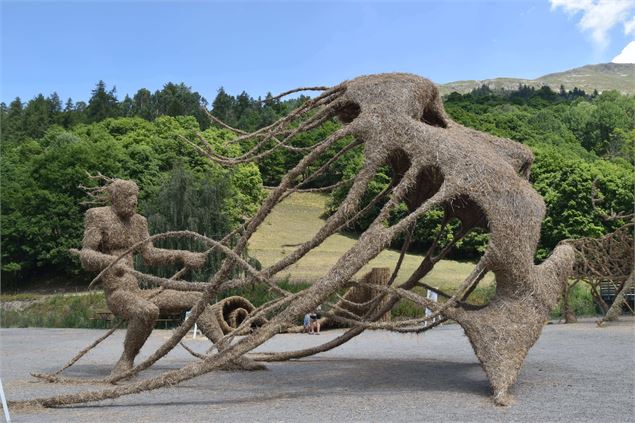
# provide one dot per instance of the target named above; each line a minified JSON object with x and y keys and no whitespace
{"x":606,"y":259}
{"x":398,"y":120}
{"x":361,"y":299}
{"x":231,"y":312}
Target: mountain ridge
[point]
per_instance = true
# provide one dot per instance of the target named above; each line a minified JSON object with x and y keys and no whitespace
{"x":601,"y":77}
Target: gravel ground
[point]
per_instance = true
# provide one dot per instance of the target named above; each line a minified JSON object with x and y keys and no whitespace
{"x":575,"y":372}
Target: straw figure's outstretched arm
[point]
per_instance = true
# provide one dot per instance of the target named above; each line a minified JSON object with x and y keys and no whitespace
{"x":154,"y":256}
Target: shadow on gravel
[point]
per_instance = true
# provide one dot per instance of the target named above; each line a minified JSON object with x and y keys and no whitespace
{"x":322,"y":378}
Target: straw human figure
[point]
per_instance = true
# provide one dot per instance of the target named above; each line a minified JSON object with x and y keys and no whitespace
{"x":109,"y":232}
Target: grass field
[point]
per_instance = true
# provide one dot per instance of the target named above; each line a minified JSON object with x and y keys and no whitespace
{"x":297,"y":219}
{"x":292,"y":222}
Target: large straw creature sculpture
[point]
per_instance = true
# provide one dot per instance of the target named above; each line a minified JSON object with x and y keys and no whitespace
{"x":398,"y":119}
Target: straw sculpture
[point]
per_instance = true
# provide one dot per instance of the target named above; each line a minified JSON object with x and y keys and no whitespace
{"x":361,"y":299}
{"x":231,"y":312}
{"x":608,"y":259}
{"x":398,"y":120}
{"x":108,"y":232}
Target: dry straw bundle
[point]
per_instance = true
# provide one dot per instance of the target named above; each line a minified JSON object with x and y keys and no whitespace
{"x":231,"y":312}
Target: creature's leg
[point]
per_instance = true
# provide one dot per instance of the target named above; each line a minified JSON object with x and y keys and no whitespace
{"x":175,"y":301}
{"x":503,"y":332}
{"x":141,"y":316}
{"x":501,"y":335}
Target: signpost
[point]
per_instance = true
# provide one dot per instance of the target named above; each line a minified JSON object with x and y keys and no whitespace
{"x":5,"y":407}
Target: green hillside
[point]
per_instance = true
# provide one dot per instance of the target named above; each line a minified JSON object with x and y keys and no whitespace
{"x":297,"y":219}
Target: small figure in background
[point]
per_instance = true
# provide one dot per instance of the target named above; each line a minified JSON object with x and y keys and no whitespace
{"x":307,"y":324}
{"x":431,"y":295}
{"x":315,"y":320}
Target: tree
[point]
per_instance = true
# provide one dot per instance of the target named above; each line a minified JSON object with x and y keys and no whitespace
{"x":223,"y":107}
{"x":190,"y":201}
{"x":55,"y":108}
{"x":126,"y":107}
{"x":13,"y":121}
{"x":37,"y":116}
{"x":144,"y":104}
{"x":180,"y":100}
{"x":566,"y":182}
{"x":620,"y":143}
{"x":102,"y":104}
{"x":612,"y":111}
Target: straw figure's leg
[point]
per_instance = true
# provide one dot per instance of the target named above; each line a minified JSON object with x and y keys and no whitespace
{"x":141,"y":315}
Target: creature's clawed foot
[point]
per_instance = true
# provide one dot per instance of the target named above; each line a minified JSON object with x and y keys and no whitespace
{"x":502,"y":397}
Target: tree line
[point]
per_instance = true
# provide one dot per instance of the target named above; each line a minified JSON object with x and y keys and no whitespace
{"x":580,"y":140}
{"x":32,"y":118}
{"x":43,"y":204}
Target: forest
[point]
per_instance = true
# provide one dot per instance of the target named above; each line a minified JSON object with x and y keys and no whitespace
{"x":583,"y":144}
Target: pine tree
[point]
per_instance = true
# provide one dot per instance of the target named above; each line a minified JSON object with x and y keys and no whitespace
{"x":180,"y":100}
{"x":37,"y":116}
{"x":13,"y":121}
{"x":223,"y":107}
{"x":102,"y":104}
{"x":126,"y":107}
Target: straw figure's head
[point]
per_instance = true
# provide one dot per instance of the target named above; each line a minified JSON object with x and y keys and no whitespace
{"x":123,"y":196}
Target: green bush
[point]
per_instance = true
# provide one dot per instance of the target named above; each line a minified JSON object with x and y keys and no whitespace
{"x":581,"y":301}
{"x":58,"y":311}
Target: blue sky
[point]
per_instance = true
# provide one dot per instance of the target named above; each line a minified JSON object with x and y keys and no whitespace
{"x":274,"y":46}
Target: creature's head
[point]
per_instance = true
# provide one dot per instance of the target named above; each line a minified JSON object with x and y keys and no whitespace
{"x":123,"y":197}
{"x":398,"y":94}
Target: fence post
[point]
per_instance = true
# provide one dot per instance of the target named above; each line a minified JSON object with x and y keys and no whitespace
{"x":187,"y":315}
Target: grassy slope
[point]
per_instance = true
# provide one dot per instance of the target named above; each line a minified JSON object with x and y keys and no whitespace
{"x":297,"y":219}
{"x":602,"y":77}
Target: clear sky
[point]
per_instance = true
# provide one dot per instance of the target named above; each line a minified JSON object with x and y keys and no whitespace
{"x":261,"y":46}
